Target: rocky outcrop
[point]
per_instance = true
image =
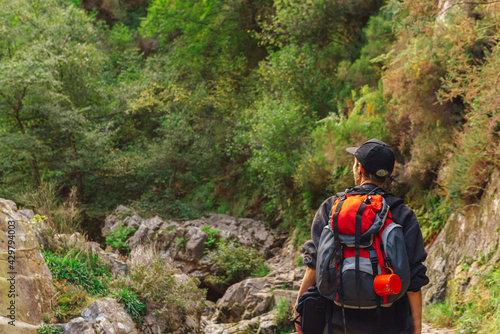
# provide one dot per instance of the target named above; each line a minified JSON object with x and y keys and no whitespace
{"x":262,"y":324}
{"x":104,"y":316}
{"x":247,"y":231}
{"x":465,"y":237}
{"x":23,"y":273}
{"x":184,"y":241}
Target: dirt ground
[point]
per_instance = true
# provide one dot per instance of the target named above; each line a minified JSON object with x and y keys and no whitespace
{"x":428,"y":329}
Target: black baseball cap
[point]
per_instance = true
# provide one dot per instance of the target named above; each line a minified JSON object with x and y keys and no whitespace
{"x":376,"y":157}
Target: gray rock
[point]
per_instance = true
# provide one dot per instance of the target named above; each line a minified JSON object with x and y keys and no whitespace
{"x":256,"y":296}
{"x":134,"y":221}
{"x":107,"y":316}
{"x":122,"y":216}
{"x":79,"y":326}
{"x":245,"y":300}
{"x":140,"y":237}
{"x":267,"y":327}
{"x":117,"y":266}
{"x":195,"y":245}
{"x":462,"y":239}
{"x":29,"y":214}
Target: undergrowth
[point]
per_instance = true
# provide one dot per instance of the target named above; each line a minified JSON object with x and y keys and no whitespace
{"x":471,"y":310}
{"x":235,"y":262}
{"x":82,"y":268}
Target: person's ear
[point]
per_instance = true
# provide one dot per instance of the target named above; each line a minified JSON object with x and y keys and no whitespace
{"x":361,"y":169}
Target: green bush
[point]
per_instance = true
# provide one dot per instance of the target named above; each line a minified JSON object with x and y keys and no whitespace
{"x":117,"y":239}
{"x":131,"y":303}
{"x":45,"y":329}
{"x":157,"y":282}
{"x":71,"y":301}
{"x":235,"y":262}
{"x":213,"y":235}
{"x":282,"y":316}
{"x":82,"y":268}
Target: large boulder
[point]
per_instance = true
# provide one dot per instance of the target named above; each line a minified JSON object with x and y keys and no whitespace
{"x":122,"y":216}
{"x":256,"y":296}
{"x":104,"y":316}
{"x":23,"y":273}
{"x":262,"y":324}
{"x":464,"y":237}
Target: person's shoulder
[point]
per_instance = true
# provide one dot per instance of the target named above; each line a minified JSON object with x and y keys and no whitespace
{"x":328,"y":203}
{"x":330,"y":200}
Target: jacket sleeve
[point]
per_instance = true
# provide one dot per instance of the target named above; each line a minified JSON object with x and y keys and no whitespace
{"x":320,"y":220}
{"x":414,"y":247}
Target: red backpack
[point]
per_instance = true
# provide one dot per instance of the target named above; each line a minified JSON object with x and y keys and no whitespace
{"x":362,"y":261}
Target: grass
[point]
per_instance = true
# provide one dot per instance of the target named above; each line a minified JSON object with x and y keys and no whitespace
{"x":82,"y":268}
{"x":131,"y":304}
{"x":282,"y":316}
{"x":44,"y":329}
{"x":117,"y":239}
{"x":475,"y":310}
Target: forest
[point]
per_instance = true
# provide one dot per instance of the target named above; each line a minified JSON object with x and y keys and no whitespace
{"x":244,"y":107}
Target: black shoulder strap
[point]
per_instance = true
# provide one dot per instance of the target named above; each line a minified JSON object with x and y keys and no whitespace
{"x":393,"y":201}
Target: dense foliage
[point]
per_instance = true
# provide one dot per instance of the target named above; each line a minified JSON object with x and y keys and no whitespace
{"x":84,"y":269}
{"x":244,"y":106}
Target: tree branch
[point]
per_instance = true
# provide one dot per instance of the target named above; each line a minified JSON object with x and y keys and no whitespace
{"x":8,"y":101}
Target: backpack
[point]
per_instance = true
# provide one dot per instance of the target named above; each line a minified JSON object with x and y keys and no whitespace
{"x":360,"y":243}
{"x":311,"y":308}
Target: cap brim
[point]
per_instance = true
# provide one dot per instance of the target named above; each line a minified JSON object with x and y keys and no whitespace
{"x":352,"y":149}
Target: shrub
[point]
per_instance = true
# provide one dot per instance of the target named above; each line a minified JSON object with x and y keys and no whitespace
{"x":213,"y":235}
{"x":117,"y":239}
{"x":165,"y":290}
{"x":71,"y":300}
{"x":366,"y":120}
{"x":235,"y":262}
{"x":44,"y":329}
{"x":82,"y":268}
{"x":131,"y":303}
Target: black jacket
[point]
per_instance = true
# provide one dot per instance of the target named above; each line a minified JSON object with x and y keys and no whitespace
{"x":397,"y":318}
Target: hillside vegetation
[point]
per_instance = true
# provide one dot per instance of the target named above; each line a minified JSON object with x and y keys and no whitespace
{"x":243,"y":107}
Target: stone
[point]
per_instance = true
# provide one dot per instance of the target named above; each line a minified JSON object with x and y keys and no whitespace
{"x":33,"y":279}
{"x":29,"y":214}
{"x":256,"y":296}
{"x":289,"y":295}
{"x":77,"y":326}
{"x":139,"y":237}
{"x":267,"y":327}
{"x":105,"y":315}
{"x":463,"y":238}
{"x":195,"y":245}
{"x":244,"y":300}
{"x":117,"y":265}
{"x":122,"y":216}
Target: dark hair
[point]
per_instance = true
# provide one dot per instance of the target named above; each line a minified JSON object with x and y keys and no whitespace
{"x":374,"y":178}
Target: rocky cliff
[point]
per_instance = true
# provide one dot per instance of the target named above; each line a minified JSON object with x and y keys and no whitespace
{"x":25,"y":281}
{"x":470,"y":234}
